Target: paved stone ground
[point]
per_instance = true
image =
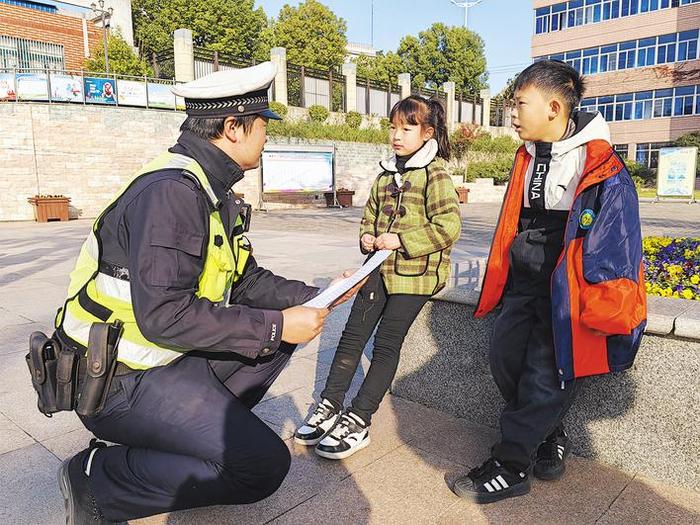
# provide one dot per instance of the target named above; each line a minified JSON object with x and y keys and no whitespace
{"x":400,"y":478}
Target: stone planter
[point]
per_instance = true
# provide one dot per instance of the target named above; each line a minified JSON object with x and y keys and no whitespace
{"x":48,"y":208}
{"x":344,"y":198}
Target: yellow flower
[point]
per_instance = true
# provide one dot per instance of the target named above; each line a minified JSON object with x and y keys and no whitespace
{"x":695,"y":279}
{"x":687,"y":294}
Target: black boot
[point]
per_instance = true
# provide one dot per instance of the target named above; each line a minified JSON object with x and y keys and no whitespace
{"x":81,"y":507}
{"x":551,"y":456}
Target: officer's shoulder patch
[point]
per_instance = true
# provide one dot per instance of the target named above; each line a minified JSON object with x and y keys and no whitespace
{"x":586,"y":219}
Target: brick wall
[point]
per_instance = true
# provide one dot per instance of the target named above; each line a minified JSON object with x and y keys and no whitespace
{"x":87,"y":153}
{"x":22,"y":22}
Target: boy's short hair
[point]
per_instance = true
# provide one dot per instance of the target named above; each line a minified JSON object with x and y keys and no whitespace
{"x":555,"y":77}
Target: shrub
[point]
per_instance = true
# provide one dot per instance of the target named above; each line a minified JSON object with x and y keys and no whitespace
{"x":384,"y":124}
{"x":640,"y":172}
{"x":353,"y":119}
{"x":317,"y":130}
{"x":499,"y":170}
{"x":488,"y":144}
{"x":672,"y":267}
{"x":318,"y":113}
{"x":279,"y":108}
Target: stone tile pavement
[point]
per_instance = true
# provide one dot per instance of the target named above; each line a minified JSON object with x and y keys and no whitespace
{"x":400,"y":478}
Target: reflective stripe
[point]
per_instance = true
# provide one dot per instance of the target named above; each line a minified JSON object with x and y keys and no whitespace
{"x":91,"y":246}
{"x":113,"y":287}
{"x":133,"y":354}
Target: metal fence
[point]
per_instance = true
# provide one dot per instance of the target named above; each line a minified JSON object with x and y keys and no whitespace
{"x":85,"y":87}
{"x":501,"y":113}
{"x":21,"y":53}
{"x":376,"y":98}
{"x":307,"y":87}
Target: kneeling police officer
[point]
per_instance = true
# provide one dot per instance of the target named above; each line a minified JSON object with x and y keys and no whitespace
{"x":204,"y":331}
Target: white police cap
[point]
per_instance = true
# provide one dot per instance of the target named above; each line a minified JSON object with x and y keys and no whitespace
{"x":234,"y":92}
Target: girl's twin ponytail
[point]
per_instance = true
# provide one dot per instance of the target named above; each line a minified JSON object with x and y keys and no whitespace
{"x":438,"y":121}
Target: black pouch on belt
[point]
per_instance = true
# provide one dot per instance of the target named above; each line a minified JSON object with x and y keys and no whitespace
{"x":42,"y":361}
{"x":101,"y":365}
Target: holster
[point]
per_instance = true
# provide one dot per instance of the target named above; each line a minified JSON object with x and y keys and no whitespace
{"x":42,"y":361}
{"x":100,"y":367}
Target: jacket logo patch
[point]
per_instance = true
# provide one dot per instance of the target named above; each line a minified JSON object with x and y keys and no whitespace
{"x":586,"y":219}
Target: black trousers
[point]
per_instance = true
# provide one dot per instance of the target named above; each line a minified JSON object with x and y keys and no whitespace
{"x":523,"y":365}
{"x":394,"y":314}
{"x":187,"y":438}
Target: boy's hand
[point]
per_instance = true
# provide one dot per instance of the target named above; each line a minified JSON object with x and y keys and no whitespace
{"x":387,"y":241}
{"x":367,"y":242}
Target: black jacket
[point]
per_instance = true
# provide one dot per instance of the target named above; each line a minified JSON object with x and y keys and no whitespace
{"x":159,"y":232}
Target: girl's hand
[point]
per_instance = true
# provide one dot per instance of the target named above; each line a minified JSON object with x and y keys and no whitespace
{"x":367,"y":242}
{"x":387,"y":241}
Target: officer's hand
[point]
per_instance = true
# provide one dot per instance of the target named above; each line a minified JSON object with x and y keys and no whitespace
{"x":301,"y":324}
{"x":387,"y":241}
{"x":351,"y":292}
{"x":367,"y":242}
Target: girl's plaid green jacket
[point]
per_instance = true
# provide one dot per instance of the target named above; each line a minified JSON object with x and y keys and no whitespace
{"x":426,"y":217}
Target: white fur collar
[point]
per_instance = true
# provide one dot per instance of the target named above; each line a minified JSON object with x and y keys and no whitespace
{"x":420,"y":158}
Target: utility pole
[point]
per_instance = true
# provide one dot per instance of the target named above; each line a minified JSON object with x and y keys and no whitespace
{"x":105,"y":16}
{"x":466,"y":6}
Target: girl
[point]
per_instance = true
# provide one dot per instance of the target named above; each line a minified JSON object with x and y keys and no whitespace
{"x":412,"y":210}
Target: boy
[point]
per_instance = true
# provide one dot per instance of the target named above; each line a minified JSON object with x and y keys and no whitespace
{"x":566,"y":265}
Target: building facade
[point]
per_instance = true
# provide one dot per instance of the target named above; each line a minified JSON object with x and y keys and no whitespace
{"x":642,"y":63}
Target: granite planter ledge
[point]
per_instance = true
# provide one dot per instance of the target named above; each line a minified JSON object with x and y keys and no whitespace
{"x":642,"y":421}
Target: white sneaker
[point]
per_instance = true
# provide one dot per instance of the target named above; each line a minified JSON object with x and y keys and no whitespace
{"x":317,"y":425}
{"x":347,"y":437}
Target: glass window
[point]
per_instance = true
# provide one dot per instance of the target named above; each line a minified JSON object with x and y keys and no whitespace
{"x":575,"y":13}
{"x":592,"y":12}
{"x":629,"y":7}
{"x":667,"y":49}
{"x":561,"y":57}
{"x":541,"y":20}
{"x":623,"y":107}
{"x":684,"y":101}
{"x":558,"y":18}
{"x":622,"y":150}
{"x":573,"y":58}
{"x":688,"y":45}
{"x":606,"y":107}
{"x":643,"y":105}
{"x":626,"y":55}
{"x":590,"y":61}
{"x":589,"y":105}
{"x":608,"y":58}
{"x":663,"y":103}
{"x":611,"y":9}
{"x":646,"y":52}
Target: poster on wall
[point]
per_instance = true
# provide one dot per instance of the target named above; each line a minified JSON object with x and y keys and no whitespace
{"x":132,"y":93}
{"x":7,"y":87}
{"x":677,"y":168}
{"x":297,"y":169}
{"x":66,"y":88}
{"x":160,"y":96}
{"x":32,"y":86}
{"x":100,"y":90}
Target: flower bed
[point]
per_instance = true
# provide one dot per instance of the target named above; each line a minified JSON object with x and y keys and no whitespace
{"x":672,"y":267}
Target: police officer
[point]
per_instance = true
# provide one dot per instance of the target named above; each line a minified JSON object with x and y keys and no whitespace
{"x":206,"y":330}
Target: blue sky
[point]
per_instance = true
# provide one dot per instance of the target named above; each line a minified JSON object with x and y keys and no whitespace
{"x":505,"y":26}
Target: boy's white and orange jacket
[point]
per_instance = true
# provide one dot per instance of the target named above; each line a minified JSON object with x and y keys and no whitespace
{"x":597,"y":288}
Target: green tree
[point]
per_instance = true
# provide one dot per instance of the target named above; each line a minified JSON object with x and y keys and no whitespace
{"x":122,"y":59}
{"x":312,"y":34}
{"x":385,"y":67}
{"x":443,"y":53}
{"x":688,"y":141}
{"x":217,"y":25}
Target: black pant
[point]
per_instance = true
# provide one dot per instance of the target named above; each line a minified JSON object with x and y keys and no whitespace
{"x":524,"y":368}
{"x":395,"y":314}
{"x":187,"y":438}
